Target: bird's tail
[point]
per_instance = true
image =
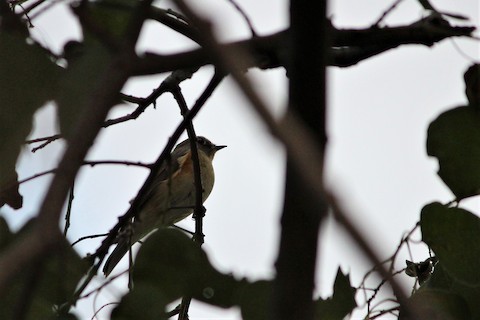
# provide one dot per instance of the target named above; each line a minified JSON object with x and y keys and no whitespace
{"x":120,"y":250}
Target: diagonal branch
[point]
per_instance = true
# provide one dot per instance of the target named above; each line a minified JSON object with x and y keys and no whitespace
{"x":102,"y":250}
{"x":170,"y":82}
{"x":107,"y":242}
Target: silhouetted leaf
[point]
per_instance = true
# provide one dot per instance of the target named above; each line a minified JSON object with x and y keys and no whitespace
{"x":9,"y":193}
{"x":454,"y":236}
{"x":454,"y":138}
{"x":472,"y":85}
{"x":68,"y":316}
{"x":421,"y":270}
{"x":27,"y":81}
{"x":5,"y":233}
{"x":255,"y":300}
{"x":86,"y":64}
{"x":441,"y":280}
{"x":179,"y":267}
{"x":171,"y":261}
{"x":170,"y":266}
{"x":44,"y":286}
{"x":87,"y":61}
{"x":438,"y":305}
{"x":341,"y":303}
{"x":145,"y":302}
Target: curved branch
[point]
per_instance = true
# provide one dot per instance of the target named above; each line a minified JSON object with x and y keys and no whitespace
{"x":172,"y":20}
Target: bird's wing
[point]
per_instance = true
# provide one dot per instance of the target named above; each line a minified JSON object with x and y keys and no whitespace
{"x":167,"y":169}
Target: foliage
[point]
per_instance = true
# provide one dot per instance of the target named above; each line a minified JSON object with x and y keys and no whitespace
{"x":454,"y":138}
{"x":43,"y":287}
{"x":17,"y":107}
{"x":181,"y":269}
{"x":342,"y":301}
{"x":453,"y":234}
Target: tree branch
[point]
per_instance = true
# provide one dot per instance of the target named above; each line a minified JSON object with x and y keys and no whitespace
{"x":303,"y":210}
{"x":170,"y":82}
{"x":171,"y":20}
{"x":356,"y":45}
{"x":109,"y":240}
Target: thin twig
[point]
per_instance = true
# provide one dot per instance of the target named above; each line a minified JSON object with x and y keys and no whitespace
{"x":172,"y":80}
{"x":131,"y":99}
{"x":46,"y":141}
{"x":383,"y":312}
{"x":69,"y":209}
{"x":386,"y":12}
{"x":54,"y":137}
{"x":90,"y":163}
{"x":37,"y":176}
{"x":184,"y":306}
{"x":32,"y":6}
{"x":173,"y":312}
{"x":404,"y":240}
{"x":103,"y":285}
{"x":94,"y":316}
{"x":245,"y":16}
{"x":199,"y":210}
{"x":367,"y":249}
{"x":376,"y":290}
{"x":89,"y":237}
{"x":45,"y":8}
{"x":93,"y":163}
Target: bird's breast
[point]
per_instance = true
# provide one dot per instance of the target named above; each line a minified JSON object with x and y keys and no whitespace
{"x":179,"y":192}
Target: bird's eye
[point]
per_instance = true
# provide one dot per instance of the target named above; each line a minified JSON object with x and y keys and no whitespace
{"x":202,"y":141}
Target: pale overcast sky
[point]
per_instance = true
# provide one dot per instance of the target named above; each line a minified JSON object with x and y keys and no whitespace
{"x":378,"y":114}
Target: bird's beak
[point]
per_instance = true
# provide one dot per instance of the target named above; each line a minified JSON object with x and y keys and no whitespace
{"x":219,"y":148}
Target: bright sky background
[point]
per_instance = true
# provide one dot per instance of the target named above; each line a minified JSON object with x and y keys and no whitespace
{"x":378,"y":114}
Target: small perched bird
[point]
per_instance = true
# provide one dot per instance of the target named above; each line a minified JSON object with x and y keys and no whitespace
{"x":171,"y":197}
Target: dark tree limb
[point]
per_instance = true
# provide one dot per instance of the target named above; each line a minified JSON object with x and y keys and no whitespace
{"x":303,"y":209}
{"x":348,"y":46}
{"x":171,"y":20}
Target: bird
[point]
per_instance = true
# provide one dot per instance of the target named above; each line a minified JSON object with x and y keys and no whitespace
{"x":171,"y":196}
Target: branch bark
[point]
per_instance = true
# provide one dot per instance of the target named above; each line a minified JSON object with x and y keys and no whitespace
{"x":303,"y":210}
{"x":348,"y":46}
